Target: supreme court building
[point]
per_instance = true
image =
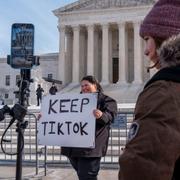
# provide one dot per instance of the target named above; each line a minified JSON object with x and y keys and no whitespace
{"x":101,"y":38}
{"x":96,"y":37}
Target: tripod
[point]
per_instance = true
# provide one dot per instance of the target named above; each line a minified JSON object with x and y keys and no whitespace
{"x":22,"y":49}
{"x":21,"y":125}
{"x":18,"y":113}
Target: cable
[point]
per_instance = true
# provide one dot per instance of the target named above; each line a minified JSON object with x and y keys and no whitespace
{"x":5,"y":140}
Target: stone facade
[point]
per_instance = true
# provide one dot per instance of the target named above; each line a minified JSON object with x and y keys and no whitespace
{"x":101,"y":38}
{"x":9,"y":76}
{"x":96,"y":37}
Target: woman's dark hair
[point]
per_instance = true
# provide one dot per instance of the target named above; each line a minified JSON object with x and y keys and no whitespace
{"x":158,"y":41}
{"x":93,"y":80}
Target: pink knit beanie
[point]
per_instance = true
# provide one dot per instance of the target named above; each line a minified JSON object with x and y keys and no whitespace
{"x":163,"y":20}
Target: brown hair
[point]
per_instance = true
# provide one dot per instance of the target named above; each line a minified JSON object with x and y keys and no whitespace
{"x":158,"y":41}
{"x":93,"y":80}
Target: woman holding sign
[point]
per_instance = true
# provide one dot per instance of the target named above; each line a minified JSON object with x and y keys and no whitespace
{"x":86,"y":161}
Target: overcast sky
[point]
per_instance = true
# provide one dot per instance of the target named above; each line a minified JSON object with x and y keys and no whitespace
{"x":37,"y":12}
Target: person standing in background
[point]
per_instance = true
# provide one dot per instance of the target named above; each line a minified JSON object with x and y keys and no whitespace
{"x":86,"y":161}
{"x":1,"y":100}
{"x":53,"y":89}
{"x":27,"y":95}
{"x":39,"y":93}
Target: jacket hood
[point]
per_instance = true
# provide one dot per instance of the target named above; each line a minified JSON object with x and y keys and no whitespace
{"x":170,"y":52}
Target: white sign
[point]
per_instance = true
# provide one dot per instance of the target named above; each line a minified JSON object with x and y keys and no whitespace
{"x":67,"y":120}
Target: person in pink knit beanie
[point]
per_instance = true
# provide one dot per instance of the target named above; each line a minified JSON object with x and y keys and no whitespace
{"x":153,"y":148}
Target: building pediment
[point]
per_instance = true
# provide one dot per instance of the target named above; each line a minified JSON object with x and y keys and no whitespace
{"x":102,"y":4}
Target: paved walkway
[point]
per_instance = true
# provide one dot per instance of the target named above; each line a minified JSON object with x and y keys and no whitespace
{"x":28,"y":173}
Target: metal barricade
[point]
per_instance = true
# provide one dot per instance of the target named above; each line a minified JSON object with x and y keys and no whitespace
{"x":43,"y":156}
{"x":51,"y":155}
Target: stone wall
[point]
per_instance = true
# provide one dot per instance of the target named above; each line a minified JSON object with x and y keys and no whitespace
{"x":48,"y":65}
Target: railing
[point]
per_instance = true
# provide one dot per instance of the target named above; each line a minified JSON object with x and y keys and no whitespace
{"x":43,"y":156}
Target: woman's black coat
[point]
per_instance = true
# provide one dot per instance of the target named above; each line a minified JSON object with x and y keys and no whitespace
{"x":109,"y":108}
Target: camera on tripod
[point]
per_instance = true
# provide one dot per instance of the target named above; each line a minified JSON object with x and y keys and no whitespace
{"x":22,"y":57}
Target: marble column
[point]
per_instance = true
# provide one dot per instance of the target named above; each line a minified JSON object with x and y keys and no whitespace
{"x":105,"y":54}
{"x":61,"y":62}
{"x":76,"y":48}
{"x":122,"y":54}
{"x":138,"y":58}
{"x":90,"y":52}
{"x":69,"y":50}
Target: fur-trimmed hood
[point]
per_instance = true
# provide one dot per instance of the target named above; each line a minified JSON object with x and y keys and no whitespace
{"x":170,"y":52}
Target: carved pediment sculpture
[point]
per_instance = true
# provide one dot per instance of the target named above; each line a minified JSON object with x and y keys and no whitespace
{"x":103,"y":4}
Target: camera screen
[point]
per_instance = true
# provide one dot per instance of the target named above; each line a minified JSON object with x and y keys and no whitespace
{"x":22,"y":45}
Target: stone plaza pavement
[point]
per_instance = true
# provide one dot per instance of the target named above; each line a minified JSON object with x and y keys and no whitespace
{"x":28,"y":173}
